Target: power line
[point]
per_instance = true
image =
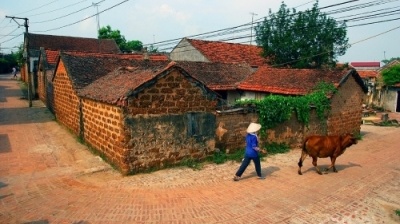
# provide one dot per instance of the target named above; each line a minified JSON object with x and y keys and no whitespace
{"x":221,"y":32}
{"x":58,"y":9}
{"x":82,"y":19}
{"x":50,"y":20}
{"x":36,"y":8}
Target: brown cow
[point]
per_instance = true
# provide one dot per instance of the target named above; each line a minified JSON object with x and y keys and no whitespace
{"x":325,"y":146}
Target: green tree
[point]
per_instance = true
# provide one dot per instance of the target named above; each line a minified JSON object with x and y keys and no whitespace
{"x":301,"y":39}
{"x":123,"y":44}
{"x":7,"y":61}
{"x":391,"y":76}
{"x":387,"y":61}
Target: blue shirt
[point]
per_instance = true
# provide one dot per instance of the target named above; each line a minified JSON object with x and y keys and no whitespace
{"x":251,"y":143}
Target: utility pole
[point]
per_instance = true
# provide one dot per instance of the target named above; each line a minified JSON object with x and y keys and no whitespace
{"x":97,"y":14}
{"x":26,"y":55}
{"x":251,"y":31}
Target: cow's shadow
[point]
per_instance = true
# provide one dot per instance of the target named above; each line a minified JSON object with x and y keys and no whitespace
{"x":339,"y":167}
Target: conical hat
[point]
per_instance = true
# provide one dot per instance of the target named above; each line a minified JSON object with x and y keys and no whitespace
{"x":253,"y":127}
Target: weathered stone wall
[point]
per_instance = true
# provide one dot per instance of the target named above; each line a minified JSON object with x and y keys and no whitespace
{"x":103,"y":127}
{"x":157,"y":141}
{"x":231,"y":130}
{"x":168,"y":121}
{"x":66,"y":102}
{"x":346,"y":109}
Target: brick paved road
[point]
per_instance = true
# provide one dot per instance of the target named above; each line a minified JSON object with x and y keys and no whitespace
{"x":47,"y":176}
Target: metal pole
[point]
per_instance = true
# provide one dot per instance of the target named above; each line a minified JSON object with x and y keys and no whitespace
{"x":28,"y":63}
{"x":27,"y":56}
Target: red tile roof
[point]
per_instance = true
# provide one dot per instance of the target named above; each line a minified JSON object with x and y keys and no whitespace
{"x":224,"y":52}
{"x":52,"y":56}
{"x":375,"y":64}
{"x":36,"y":41}
{"x":292,"y":81}
{"x":125,"y":81}
{"x":84,"y":68}
{"x":367,"y":73}
{"x":217,"y":76}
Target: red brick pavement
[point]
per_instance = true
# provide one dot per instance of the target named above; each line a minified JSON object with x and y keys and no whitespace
{"x":47,"y":176}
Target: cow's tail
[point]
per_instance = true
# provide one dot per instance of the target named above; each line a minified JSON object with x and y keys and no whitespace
{"x":303,"y":153}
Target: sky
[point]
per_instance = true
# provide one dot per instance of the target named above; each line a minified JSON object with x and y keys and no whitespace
{"x":163,"y":23}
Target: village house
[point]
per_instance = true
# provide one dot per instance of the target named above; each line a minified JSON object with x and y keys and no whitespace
{"x":192,"y":50}
{"x":387,"y":97}
{"x":42,"y":52}
{"x":217,"y":51}
{"x":344,"y":116}
{"x":222,"y":78}
{"x":139,"y":114}
{"x":368,"y":72}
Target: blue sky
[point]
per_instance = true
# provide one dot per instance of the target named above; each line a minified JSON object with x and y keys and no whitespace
{"x":155,"y":21}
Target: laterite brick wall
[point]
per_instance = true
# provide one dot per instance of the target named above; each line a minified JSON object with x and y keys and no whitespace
{"x":104,"y":130}
{"x":66,"y":102}
{"x":346,"y":109}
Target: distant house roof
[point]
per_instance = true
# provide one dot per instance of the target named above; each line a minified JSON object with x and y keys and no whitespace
{"x":373,"y":64}
{"x":217,"y":76}
{"x":51,"y":57}
{"x":367,"y":73}
{"x":129,"y":80}
{"x":294,"y":81}
{"x":217,"y":51}
{"x":84,"y":68}
{"x":36,"y":41}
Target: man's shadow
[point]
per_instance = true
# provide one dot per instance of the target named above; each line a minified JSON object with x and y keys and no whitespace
{"x":266,"y":171}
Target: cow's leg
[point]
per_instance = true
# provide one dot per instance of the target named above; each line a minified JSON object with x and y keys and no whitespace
{"x":333,"y":159}
{"x":314,"y":162}
{"x":333,"y":164}
{"x":301,"y":160}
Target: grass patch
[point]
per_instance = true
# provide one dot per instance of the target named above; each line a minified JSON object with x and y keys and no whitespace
{"x":191,"y":163}
{"x":276,"y":148}
{"x":397,"y":211}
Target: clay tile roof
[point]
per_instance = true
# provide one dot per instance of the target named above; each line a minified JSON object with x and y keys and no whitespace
{"x":374,"y":64}
{"x":367,"y":73}
{"x":128,"y":80}
{"x":217,"y":76}
{"x":52,"y":56}
{"x":36,"y":41}
{"x":84,"y":68}
{"x":291,"y":81}
{"x":224,"y":52}
{"x":122,"y":81}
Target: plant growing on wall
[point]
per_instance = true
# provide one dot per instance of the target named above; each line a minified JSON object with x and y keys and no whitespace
{"x":276,"y":109}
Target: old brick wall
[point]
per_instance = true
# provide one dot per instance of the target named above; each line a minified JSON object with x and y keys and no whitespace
{"x":42,"y":86}
{"x":346,"y":109}
{"x":168,"y":121}
{"x":66,"y":102}
{"x":231,"y":130}
{"x":103,"y":127}
{"x":344,"y":117}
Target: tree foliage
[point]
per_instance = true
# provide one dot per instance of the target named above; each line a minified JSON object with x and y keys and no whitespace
{"x":123,"y":44}
{"x":387,"y":61}
{"x":301,"y":39}
{"x":7,"y":61}
{"x":391,"y":76}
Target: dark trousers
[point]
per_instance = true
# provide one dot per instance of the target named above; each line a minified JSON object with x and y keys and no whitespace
{"x":246,"y":162}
